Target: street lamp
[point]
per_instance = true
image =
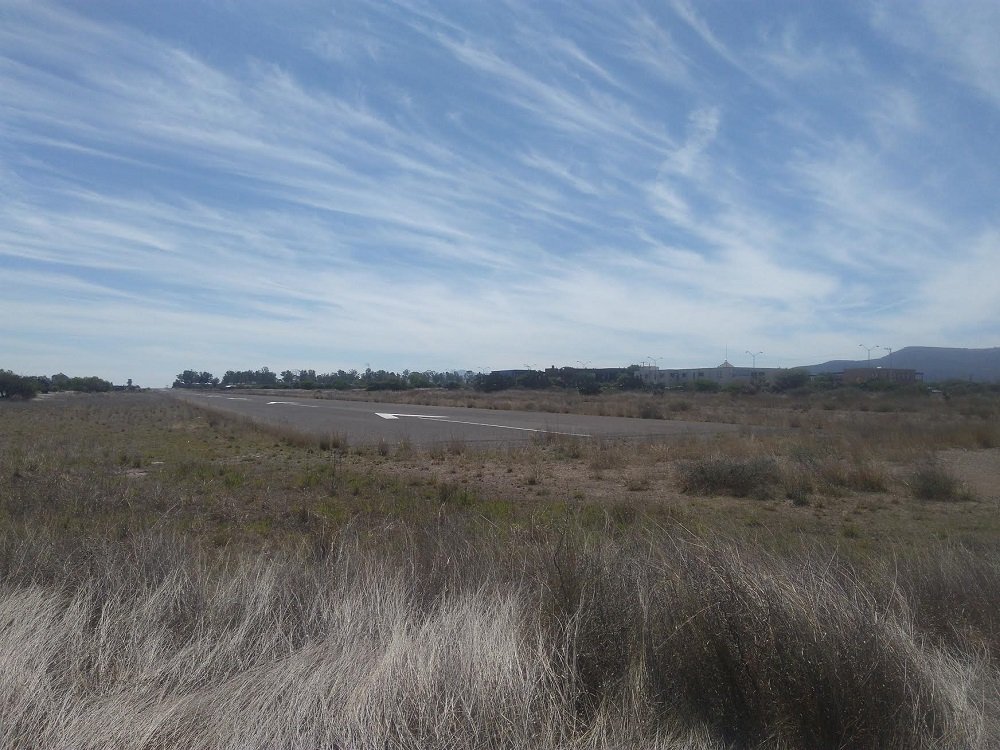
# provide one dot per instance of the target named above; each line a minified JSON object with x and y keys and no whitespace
{"x":889,"y":349}
{"x":584,"y":365}
{"x":869,"y":349}
{"x":656,"y":360}
{"x":753,"y":358}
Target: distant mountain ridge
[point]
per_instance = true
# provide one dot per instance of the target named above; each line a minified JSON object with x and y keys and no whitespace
{"x":936,"y":363}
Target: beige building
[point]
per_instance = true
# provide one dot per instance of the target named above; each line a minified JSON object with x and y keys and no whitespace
{"x":723,"y":375}
{"x":882,"y":374}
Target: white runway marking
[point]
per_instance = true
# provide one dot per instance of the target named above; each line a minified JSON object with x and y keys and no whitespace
{"x":293,"y":403}
{"x":386,"y":415}
{"x":477,"y":424}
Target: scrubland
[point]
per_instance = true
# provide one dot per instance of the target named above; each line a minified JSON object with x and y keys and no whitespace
{"x":173,"y":578}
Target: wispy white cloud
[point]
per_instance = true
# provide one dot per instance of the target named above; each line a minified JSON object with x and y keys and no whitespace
{"x":785,"y":51}
{"x":422,"y":187}
{"x":962,"y":36}
{"x":686,"y":11}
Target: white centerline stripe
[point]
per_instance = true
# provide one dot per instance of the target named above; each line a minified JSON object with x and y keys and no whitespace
{"x":479,"y":424}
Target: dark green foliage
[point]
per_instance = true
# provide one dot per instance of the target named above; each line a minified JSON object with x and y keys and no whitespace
{"x":194,"y":379}
{"x":535,"y":379}
{"x":16,"y":386}
{"x":705,"y":386}
{"x":19,"y":386}
{"x":629,"y":381}
{"x":92,"y":384}
{"x":492,"y":383}
{"x":788,"y":380}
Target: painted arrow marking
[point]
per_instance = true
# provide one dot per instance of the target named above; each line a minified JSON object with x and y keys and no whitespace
{"x":386,"y":415}
{"x":292,"y":403}
{"x":437,"y":418}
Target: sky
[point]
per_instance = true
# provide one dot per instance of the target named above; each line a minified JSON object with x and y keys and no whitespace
{"x":221,"y":185}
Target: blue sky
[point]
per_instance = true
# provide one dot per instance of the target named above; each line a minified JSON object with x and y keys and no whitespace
{"x":434,"y":185}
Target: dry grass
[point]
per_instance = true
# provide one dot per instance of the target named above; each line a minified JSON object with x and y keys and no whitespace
{"x":172,"y":578}
{"x":451,"y":638}
{"x":931,"y":481}
{"x":740,"y":477}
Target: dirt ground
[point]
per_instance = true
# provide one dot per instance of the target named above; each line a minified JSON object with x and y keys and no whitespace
{"x":979,"y":470}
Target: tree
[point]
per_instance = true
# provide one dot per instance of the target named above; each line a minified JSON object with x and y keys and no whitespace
{"x":15,"y":386}
{"x":186,"y":379}
{"x":419,"y":380}
{"x":492,"y":382}
{"x":703,"y":385}
{"x":630,"y":380}
{"x":193,"y":379}
{"x":787,"y":380}
{"x":535,"y":379}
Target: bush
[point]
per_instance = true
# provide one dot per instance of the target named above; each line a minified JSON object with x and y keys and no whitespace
{"x":16,"y":386}
{"x":706,"y":386}
{"x":650,"y":410}
{"x":728,"y":475}
{"x":934,"y":482}
{"x":790,"y":380}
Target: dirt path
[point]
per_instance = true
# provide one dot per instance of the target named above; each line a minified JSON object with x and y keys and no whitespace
{"x":978,"y":469}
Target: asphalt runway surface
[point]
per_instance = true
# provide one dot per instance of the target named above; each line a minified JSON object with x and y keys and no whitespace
{"x":366,"y":422}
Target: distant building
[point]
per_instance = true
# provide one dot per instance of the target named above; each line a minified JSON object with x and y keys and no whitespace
{"x":599,"y":374}
{"x":881,"y":374}
{"x":723,"y":375}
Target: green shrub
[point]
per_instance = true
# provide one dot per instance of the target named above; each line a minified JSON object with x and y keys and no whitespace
{"x":706,"y":386}
{"x":788,"y":380}
{"x":934,"y":482}
{"x":729,"y":475}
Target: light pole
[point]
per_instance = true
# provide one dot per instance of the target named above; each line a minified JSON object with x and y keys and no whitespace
{"x":655,"y":360}
{"x":753,"y":358}
{"x":889,"y":349}
{"x":869,"y":349}
{"x":583,"y":365}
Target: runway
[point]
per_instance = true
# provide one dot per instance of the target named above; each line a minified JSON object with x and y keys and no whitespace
{"x":365,"y":422}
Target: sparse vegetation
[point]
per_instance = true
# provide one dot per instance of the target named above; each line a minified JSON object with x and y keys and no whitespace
{"x":173,"y":577}
{"x":730,"y":475}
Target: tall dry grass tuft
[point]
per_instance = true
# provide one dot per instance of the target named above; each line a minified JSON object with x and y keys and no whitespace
{"x":447,"y":637}
{"x":763,"y":652}
{"x":739,"y":476}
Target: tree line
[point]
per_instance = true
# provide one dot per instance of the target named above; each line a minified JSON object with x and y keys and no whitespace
{"x":373,"y":380}
{"x":13,"y":385}
{"x":585,"y":380}
{"x":385,"y":380}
